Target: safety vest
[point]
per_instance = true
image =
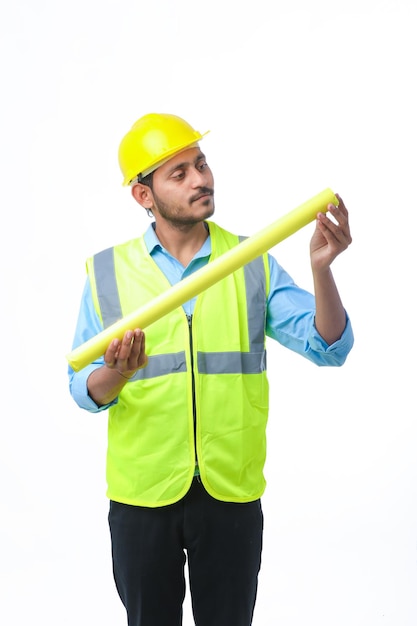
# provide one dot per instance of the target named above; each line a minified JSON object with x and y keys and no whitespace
{"x":203,"y":395}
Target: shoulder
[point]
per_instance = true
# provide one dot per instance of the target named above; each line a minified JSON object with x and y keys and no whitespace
{"x":134,"y":243}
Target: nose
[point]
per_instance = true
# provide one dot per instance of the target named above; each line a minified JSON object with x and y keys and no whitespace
{"x":201,"y":178}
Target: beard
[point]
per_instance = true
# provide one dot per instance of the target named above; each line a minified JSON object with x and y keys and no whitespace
{"x":180,"y":215}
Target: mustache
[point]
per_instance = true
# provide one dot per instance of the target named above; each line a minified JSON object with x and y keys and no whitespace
{"x":203,"y":191}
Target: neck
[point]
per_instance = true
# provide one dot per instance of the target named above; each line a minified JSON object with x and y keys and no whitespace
{"x":182,"y":242}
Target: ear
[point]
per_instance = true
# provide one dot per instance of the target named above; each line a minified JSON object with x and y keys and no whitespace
{"x":143,"y":195}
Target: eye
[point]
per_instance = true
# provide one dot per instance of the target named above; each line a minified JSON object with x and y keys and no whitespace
{"x":178,"y":174}
{"x":201,"y":165}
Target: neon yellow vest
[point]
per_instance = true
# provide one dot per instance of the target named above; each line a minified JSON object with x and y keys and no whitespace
{"x":204,"y":393}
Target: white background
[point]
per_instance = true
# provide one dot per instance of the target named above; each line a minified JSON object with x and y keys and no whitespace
{"x":299,"y":96}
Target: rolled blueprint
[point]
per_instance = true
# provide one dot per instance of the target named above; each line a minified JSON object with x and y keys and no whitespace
{"x":246,"y":251}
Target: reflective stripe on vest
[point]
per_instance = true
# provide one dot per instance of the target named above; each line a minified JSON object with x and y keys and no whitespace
{"x":252,"y":362}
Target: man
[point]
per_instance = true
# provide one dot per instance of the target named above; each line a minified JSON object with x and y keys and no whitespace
{"x":188,"y":412}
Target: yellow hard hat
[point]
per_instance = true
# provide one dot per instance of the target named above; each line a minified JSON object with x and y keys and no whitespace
{"x":153,"y":139}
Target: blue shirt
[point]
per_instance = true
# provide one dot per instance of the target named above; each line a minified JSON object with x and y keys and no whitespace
{"x":290,"y":316}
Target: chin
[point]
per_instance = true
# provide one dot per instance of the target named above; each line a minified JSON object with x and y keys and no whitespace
{"x":209,"y":209}
{"x":208,"y":214}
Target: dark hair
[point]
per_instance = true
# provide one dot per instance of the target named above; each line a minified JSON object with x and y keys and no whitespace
{"x":146,"y":180}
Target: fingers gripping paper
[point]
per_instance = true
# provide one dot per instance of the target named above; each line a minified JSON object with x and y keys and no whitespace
{"x":175,"y":296}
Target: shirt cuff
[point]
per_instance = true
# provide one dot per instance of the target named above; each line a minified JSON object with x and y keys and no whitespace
{"x":79,"y":391}
{"x":342,"y":345}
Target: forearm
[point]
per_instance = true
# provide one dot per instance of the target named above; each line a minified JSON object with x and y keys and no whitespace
{"x":330,"y":318}
{"x":104,"y":384}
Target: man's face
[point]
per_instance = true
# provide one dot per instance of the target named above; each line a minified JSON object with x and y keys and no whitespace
{"x":183,"y":189}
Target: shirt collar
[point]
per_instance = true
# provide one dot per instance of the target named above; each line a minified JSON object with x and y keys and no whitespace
{"x":153,"y":244}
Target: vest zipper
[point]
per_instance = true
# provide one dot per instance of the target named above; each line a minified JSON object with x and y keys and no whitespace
{"x":190,"y":328}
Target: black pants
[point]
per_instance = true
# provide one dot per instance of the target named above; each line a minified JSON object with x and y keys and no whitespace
{"x":223,"y":543}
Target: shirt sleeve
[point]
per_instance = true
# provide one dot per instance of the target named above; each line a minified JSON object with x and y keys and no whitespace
{"x":290,"y":321}
{"x":88,"y":325}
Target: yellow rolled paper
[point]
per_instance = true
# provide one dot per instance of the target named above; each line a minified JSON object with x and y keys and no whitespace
{"x":226,"y":264}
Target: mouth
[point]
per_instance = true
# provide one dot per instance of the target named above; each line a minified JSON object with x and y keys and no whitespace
{"x":205,"y":193}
